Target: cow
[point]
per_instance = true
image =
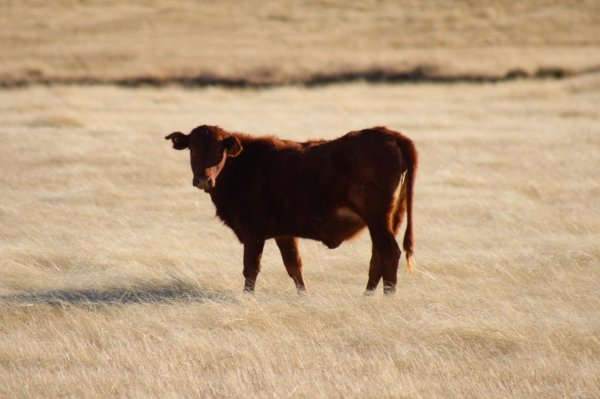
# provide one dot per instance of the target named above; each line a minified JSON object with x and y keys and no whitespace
{"x":324,"y":190}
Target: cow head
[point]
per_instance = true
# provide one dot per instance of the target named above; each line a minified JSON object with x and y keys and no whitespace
{"x":209,"y":146}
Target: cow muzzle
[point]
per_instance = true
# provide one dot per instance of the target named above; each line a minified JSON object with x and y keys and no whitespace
{"x":203,"y":183}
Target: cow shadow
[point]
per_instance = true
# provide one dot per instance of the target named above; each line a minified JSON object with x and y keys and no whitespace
{"x":137,"y":294}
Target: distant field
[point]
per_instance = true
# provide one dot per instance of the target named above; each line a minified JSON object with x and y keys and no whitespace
{"x":279,"y":41}
{"x":116,"y":278}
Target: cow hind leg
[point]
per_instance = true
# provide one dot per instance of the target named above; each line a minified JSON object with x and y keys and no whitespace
{"x":398,"y":216}
{"x":288,"y":246}
{"x":252,"y":255}
{"x":386,"y":254}
{"x":375,"y":272}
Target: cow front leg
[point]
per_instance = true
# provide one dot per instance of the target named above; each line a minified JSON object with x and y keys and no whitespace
{"x":288,"y":246}
{"x":252,"y":254}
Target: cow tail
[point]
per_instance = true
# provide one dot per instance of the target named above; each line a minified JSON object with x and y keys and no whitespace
{"x":410,"y":154}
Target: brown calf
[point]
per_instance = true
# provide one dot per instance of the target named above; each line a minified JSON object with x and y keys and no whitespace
{"x":265,"y":187}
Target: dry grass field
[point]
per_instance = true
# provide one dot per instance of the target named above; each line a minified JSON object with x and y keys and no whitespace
{"x":278,"y":41}
{"x":116,"y":279}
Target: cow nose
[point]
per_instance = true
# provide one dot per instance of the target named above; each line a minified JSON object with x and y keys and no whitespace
{"x":203,"y":183}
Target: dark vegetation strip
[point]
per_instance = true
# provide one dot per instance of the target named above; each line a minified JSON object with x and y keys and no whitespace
{"x":113,"y":296}
{"x":416,"y":75}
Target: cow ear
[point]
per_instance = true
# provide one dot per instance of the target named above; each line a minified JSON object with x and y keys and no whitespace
{"x":232,"y":146}
{"x":180,"y":140}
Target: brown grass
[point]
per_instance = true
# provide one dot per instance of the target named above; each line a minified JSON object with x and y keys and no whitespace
{"x":117,"y":280}
{"x":275,"y":41}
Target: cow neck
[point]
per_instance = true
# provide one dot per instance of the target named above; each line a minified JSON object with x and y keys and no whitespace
{"x":222,"y":190}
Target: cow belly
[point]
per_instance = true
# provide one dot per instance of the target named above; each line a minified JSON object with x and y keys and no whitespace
{"x":342,"y":225}
{"x":331,"y":230}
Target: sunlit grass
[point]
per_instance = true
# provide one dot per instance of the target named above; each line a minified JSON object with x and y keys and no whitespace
{"x":117,"y":279}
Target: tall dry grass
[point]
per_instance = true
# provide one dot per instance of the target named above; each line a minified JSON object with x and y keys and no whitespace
{"x":117,"y":279}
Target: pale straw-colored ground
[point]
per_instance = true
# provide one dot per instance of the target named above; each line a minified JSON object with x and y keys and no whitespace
{"x":117,"y":280}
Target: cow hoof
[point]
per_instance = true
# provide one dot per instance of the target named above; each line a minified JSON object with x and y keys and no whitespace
{"x":369,"y":293}
{"x":389,"y":290}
